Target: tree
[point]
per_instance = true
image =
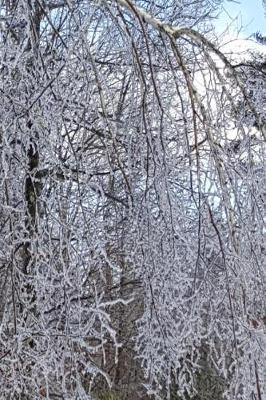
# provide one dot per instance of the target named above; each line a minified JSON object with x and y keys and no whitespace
{"x":129,"y":184}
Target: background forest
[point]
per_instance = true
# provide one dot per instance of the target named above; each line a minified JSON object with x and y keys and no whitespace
{"x":132,"y":204}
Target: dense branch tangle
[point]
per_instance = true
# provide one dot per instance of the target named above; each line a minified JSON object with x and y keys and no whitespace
{"x":127,"y":171}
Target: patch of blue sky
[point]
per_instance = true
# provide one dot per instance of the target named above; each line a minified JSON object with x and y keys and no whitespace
{"x":244,"y":16}
{"x":238,"y":21}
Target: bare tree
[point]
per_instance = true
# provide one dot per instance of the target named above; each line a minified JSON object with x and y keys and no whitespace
{"x":132,"y":203}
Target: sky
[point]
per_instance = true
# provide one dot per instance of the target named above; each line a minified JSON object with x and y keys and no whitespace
{"x":238,"y":21}
{"x":248,"y":14}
